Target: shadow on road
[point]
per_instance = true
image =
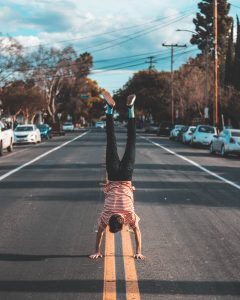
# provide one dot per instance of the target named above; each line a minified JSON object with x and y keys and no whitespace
{"x":217,"y":288}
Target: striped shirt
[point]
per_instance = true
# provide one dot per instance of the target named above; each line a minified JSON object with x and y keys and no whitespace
{"x":119,"y":200}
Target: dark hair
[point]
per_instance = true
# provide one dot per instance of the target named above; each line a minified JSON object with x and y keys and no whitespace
{"x":115,"y":223}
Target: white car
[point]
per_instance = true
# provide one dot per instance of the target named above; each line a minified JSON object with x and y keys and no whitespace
{"x":187,"y":136}
{"x":68,"y":126}
{"x":6,"y":138}
{"x":100,"y":124}
{"x":203,"y":135}
{"x":228,"y":141}
{"x":174,"y":132}
{"x":27,"y":134}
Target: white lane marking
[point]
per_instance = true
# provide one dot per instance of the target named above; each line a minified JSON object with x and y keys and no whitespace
{"x":194,"y":163}
{"x":40,"y":156}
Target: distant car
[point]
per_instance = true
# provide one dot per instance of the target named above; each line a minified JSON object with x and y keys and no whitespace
{"x":174,"y":132}
{"x":68,"y":126}
{"x":45,"y":131}
{"x":152,"y":128}
{"x":228,"y":141}
{"x":179,"y":136}
{"x":187,"y":135}
{"x":203,"y":135}
{"x":27,"y":134}
{"x":100,"y":124}
{"x":164,"y":129}
{"x":57,"y":129}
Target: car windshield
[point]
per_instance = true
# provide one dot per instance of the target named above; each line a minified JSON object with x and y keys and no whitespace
{"x":67,"y":124}
{"x":235,"y":133}
{"x":24,"y":128}
{"x":206,"y":129}
{"x":192,"y":129}
{"x":42,"y":126}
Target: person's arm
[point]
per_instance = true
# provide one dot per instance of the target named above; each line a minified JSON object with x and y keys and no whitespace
{"x":99,"y":236}
{"x":138,"y":240}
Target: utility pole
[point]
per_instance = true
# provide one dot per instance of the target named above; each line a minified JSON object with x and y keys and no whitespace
{"x":215,"y":8}
{"x":172,"y":46}
{"x":151,"y":62}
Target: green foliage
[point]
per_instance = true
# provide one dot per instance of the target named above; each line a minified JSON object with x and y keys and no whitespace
{"x":152,"y":89}
{"x":204,"y":25}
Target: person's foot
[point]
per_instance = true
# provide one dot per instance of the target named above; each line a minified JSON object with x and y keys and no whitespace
{"x":131,"y":100}
{"x":108,"y":98}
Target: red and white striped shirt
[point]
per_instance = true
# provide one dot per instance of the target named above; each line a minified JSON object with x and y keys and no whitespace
{"x":119,"y":200}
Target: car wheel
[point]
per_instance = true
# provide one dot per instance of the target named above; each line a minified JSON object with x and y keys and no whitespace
{"x":10,"y":147}
{"x":1,"y":149}
{"x":223,"y":151}
{"x":211,"y":150}
{"x":192,"y":144}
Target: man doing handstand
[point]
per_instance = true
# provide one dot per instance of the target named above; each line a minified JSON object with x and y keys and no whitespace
{"x":119,"y":202}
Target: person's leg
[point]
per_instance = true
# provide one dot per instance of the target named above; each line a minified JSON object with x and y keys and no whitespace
{"x":112,"y":158}
{"x":128,"y":160}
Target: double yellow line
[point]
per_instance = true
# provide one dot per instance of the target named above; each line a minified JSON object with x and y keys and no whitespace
{"x":110,"y":280}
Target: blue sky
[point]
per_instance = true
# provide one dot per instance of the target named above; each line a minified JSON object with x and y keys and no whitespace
{"x":120,"y":35}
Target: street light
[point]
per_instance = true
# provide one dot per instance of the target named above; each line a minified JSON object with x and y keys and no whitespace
{"x":206,"y":109}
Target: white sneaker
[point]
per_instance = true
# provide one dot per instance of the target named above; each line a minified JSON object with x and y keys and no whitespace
{"x":131,"y":100}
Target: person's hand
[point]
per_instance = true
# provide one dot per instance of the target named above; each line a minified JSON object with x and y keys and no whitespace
{"x":95,"y":255}
{"x":139,"y":256}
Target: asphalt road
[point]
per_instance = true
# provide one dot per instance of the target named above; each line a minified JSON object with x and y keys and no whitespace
{"x":50,"y":198}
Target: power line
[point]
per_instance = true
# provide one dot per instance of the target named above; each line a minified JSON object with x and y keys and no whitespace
{"x":172,"y":46}
{"x":114,"y":31}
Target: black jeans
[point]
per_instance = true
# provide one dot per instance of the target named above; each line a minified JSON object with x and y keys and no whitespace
{"x":120,"y":170}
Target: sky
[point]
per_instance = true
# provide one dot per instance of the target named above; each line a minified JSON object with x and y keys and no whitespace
{"x":120,"y":35}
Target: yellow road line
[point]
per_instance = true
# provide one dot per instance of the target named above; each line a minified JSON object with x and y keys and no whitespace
{"x":132,"y":289}
{"x":109,"y":289}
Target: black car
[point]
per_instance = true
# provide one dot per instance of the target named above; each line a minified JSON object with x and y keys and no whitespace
{"x":164,"y":129}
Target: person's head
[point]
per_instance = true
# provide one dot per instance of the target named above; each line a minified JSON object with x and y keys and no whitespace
{"x":116,"y":222}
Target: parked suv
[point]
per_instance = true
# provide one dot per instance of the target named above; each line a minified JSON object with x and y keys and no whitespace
{"x":203,"y":135}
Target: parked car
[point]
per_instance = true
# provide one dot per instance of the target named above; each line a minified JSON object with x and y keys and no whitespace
{"x":187,"y":135}
{"x":164,"y":129}
{"x":174,"y":132}
{"x":152,"y":128}
{"x":6,"y":138}
{"x":228,"y":141}
{"x":179,"y":136}
{"x":100,"y":124}
{"x":57,"y":129}
{"x":27,"y":134}
{"x":203,"y":135}
{"x":45,"y":131}
{"x":68,"y":126}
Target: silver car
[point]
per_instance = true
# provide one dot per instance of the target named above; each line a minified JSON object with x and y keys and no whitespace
{"x":203,"y":135}
{"x":187,"y":136}
{"x":174,"y":132}
{"x":228,"y":141}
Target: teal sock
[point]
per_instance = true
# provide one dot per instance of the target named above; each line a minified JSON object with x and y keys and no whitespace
{"x":131,"y":114}
{"x":109,"y":110}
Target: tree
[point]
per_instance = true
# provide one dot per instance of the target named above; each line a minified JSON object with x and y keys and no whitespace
{"x":153,"y":93}
{"x":229,"y":64}
{"x":204,"y":26}
{"x":236,"y":68}
{"x":23,"y":97}
{"x":11,"y":59}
